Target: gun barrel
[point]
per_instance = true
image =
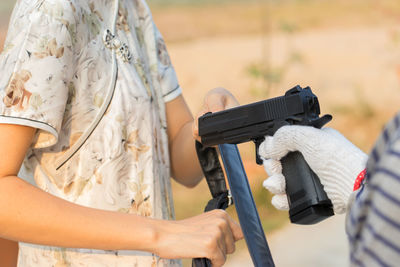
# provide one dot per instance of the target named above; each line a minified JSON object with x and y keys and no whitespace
{"x":247,"y":122}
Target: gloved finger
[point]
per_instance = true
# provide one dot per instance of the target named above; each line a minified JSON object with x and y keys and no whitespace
{"x":280,"y":202}
{"x":272,"y":148}
{"x":272,"y":166}
{"x":289,"y":138}
{"x":276,"y":184}
{"x":339,"y":207}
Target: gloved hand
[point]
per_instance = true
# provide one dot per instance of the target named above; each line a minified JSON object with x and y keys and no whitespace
{"x":335,"y":160}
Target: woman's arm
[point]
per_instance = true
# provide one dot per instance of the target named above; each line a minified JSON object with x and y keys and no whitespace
{"x":8,"y":248}
{"x":182,"y":133}
{"x":31,"y":215}
{"x":184,"y":164}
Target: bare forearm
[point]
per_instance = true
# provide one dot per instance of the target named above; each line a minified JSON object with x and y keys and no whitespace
{"x":28,"y":214}
{"x":185,"y":166}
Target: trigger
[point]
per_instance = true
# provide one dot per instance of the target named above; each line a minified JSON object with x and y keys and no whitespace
{"x":258,"y":142}
{"x":259,"y":161}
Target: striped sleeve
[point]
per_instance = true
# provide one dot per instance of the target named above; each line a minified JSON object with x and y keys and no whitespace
{"x":373,"y":221}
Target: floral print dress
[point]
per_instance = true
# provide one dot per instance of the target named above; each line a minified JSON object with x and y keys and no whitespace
{"x":55,"y":72}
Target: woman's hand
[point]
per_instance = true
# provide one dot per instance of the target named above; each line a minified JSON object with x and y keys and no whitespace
{"x":183,"y":131}
{"x":215,"y":100}
{"x":210,"y":235}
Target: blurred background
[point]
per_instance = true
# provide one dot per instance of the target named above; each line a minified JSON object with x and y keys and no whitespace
{"x":348,"y":51}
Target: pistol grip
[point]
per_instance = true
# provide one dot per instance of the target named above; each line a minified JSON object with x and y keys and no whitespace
{"x":308,"y":202}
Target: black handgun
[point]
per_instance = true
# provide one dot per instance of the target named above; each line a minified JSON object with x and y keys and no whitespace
{"x":308,"y":202}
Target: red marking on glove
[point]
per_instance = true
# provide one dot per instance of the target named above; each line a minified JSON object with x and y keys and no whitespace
{"x":359,"y":179}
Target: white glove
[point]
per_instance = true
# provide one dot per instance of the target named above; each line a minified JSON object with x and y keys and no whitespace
{"x":335,"y":160}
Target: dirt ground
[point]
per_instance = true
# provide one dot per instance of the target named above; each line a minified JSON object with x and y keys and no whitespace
{"x":324,"y":244}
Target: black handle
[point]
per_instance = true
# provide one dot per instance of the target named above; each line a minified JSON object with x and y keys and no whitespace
{"x":308,"y":202}
{"x":219,"y":202}
{"x":209,"y":162}
{"x":201,"y":262}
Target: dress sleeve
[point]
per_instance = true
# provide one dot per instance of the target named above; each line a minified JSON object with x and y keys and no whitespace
{"x":36,"y":67}
{"x":169,"y":82}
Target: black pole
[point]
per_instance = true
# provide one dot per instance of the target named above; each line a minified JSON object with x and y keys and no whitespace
{"x":245,"y":206}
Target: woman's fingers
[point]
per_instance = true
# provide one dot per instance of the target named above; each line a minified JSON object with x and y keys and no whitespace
{"x":210,"y":235}
{"x":218,"y":259}
{"x":236,"y":230}
{"x":230,"y":229}
{"x":216,"y":100}
{"x":195,"y":125}
{"x":229,"y":233}
{"x":228,"y":246}
{"x":220,"y":99}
